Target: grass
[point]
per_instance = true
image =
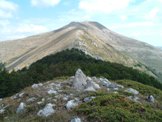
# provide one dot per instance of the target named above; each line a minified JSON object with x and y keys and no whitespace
{"x":117,"y":108}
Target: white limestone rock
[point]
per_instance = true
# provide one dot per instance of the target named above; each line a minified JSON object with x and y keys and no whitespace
{"x":2,"y":111}
{"x":46,"y":111}
{"x":72,"y":104}
{"x":151,"y":99}
{"x":51,"y":91}
{"x":76,"y":119}
{"x":132,"y":91}
{"x":91,"y":83}
{"x":88,"y":99}
{"x":105,"y":82}
{"x":34,"y":86}
{"x":79,"y":82}
{"x":21,"y":108}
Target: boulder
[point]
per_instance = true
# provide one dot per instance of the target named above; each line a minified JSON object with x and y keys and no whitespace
{"x":2,"y":111}
{"x":21,"y":108}
{"x":91,"y":83}
{"x":72,"y":104}
{"x":132,"y":91}
{"x":76,"y":119}
{"x":51,"y":91}
{"x":151,"y":99}
{"x":104,"y":82}
{"x":88,"y":99}
{"x":34,"y":86}
{"x":79,"y":82}
{"x":46,"y":111}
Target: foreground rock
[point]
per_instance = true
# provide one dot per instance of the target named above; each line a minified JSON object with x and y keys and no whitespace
{"x":79,"y":82}
{"x":21,"y":108}
{"x":72,"y":104}
{"x":91,"y":85}
{"x":77,"y":119}
{"x":34,"y":86}
{"x":46,"y":111}
{"x":151,"y":99}
{"x":132,"y":91}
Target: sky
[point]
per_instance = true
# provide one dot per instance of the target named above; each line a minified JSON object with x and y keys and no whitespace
{"x":138,"y":19}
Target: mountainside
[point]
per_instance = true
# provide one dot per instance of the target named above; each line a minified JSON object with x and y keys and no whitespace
{"x":65,"y":63}
{"x":92,"y":38}
{"x":81,"y":98}
{"x":55,"y":89}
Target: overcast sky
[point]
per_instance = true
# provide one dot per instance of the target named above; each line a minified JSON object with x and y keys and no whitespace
{"x":139,"y":19}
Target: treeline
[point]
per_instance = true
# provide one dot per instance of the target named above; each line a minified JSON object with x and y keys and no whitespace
{"x":65,"y":63}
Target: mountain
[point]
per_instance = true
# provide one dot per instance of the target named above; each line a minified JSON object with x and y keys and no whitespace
{"x":92,"y":38}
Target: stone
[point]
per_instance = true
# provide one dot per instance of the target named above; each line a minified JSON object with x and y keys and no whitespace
{"x":132,"y":91}
{"x":76,"y":119}
{"x":41,"y":102}
{"x":21,"y":94}
{"x":34,"y":86}
{"x":15,"y":96}
{"x":79,"y":82}
{"x":21,"y":108}
{"x":2,"y":111}
{"x":51,"y":91}
{"x":46,"y":111}
{"x":120,"y":86}
{"x":151,"y":99}
{"x":91,"y":83}
{"x":104,"y":82}
{"x":88,"y":99}
{"x":90,"y":89}
{"x":72,"y":104}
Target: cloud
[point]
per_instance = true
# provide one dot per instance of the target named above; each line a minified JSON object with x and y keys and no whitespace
{"x":10,"y":31}
{"x":7,"y":8}
{"x":153,"y":13}
{"x":44,"y":3}
{"x":104,"y":6}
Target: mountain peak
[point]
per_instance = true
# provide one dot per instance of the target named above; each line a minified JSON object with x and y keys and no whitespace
{"x":87,"y":24}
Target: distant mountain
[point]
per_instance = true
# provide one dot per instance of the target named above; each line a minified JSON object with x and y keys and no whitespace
{"x":92,"y":38}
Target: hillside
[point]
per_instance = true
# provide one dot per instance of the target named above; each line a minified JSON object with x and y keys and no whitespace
{"x":81,"y":98}
{"x":90,"y":37}
{"x":65,"y":63}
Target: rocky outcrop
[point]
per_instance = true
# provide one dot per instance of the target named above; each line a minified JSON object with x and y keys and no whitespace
{"x":21,"y":108}
{"x":46,"y":111}
{"x":79,"y":82}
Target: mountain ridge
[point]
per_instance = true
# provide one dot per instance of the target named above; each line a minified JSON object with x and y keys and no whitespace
{"x":90,"y":37}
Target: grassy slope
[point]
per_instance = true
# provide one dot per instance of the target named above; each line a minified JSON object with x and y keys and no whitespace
{"x":118,"y":108}
{"x":107,"y":107}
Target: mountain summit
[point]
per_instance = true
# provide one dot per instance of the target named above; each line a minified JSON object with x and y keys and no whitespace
{"x":92,"y":38}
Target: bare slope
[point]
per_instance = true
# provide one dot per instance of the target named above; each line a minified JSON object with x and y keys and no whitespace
{"x":91,"y":37}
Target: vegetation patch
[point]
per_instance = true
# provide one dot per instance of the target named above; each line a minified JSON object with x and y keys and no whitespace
{"x":117,"y":108}
{"x":64,"y":64}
